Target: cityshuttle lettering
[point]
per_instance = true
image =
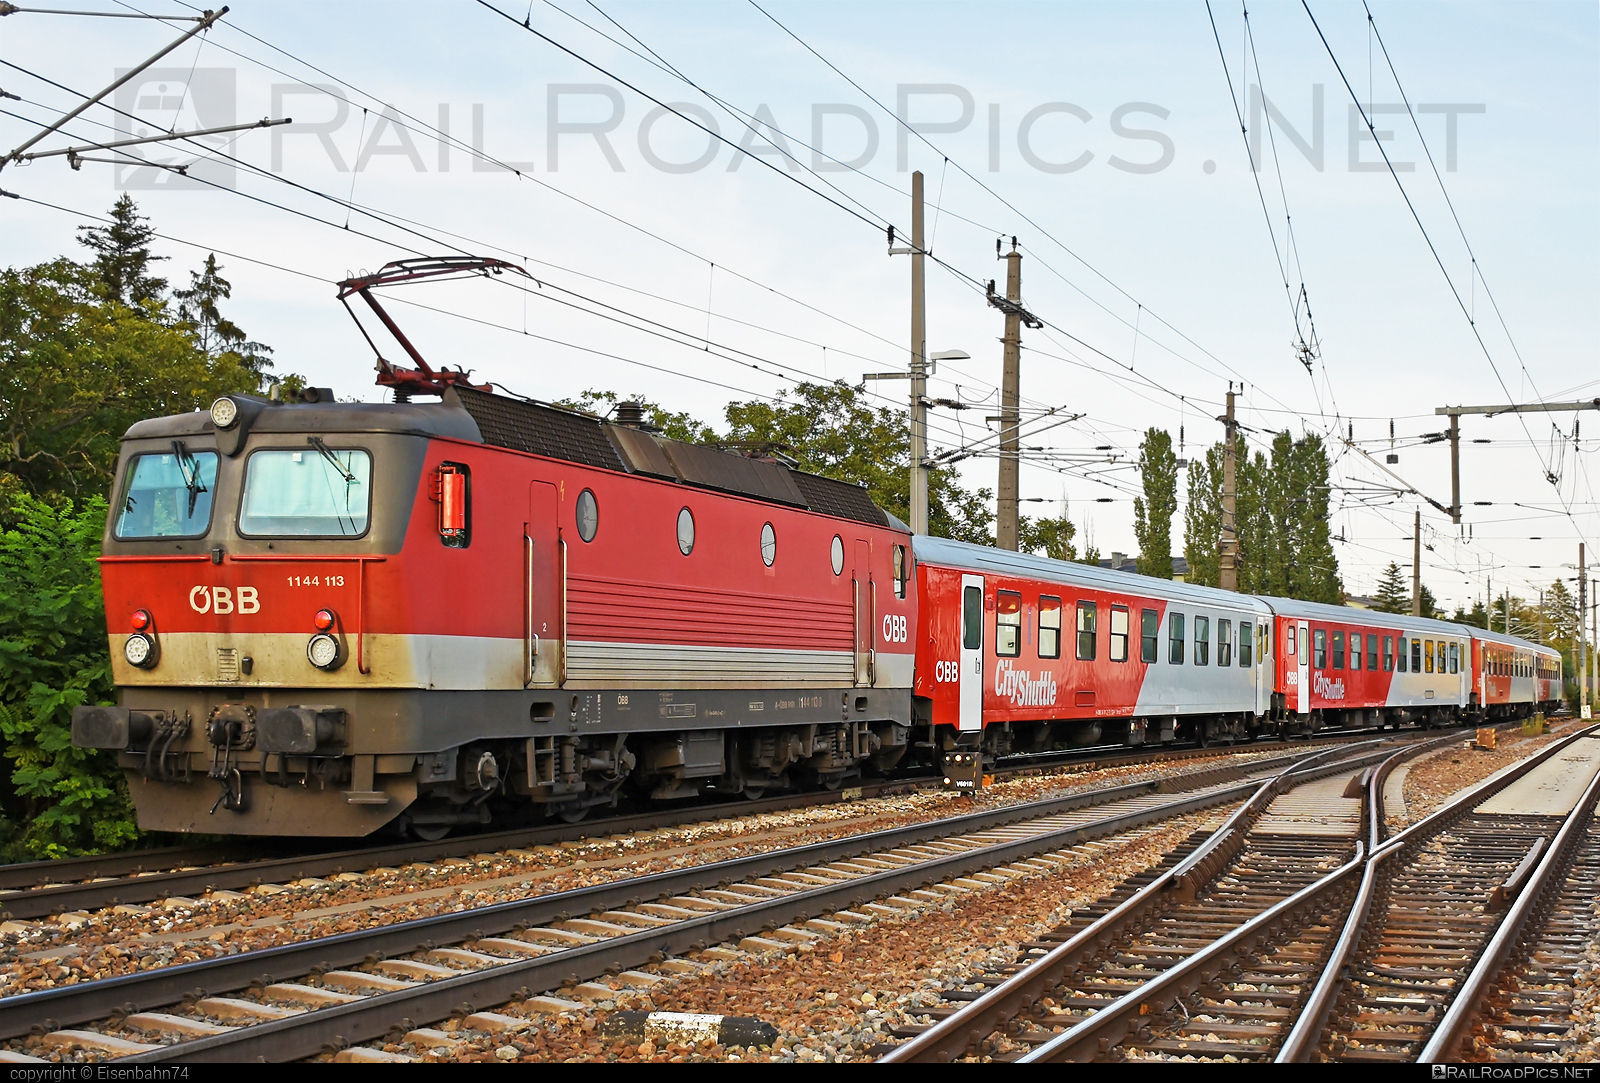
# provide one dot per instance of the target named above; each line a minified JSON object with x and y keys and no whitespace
{"x":1329,"y":689}
{"x":1023,"y":690}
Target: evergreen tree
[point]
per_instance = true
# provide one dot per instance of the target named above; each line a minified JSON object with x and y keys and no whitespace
{"x":218,"y":334}
{"x":1202,"y":518}
{"x":1394,"y":593}
{"x":1153,"y":512}
{"x":122,"y":256}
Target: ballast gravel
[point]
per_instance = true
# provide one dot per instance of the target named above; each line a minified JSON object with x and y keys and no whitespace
{"x":121,"y":940}
{"x":836,"y":998}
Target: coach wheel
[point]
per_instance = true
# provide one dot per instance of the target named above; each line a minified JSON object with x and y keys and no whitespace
{"x":570,"y":815}
{"x":430,"y":832}
{"x":754,"y":793}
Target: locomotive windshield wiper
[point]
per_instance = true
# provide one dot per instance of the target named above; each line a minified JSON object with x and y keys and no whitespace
{"x":316,"y":442}
{"x":190,"y":471}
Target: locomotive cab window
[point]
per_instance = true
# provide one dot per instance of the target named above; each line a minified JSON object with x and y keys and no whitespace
{"x":1049,"y":626}
{"x":1007,"y":623}
{"x":1319,"y":651}
{"x":901,"y":571}
{"x":1355,"y":650}
{"x":1119,"y":633}
{"x":453,"y":492}
{"x":1202,"y":641}
{"x":1338,"y":650}
{"x":1245,"y":628}
{"x":1086,"y":631}
{"x":1175,"y":639}
{"x":1225,"y":642}
{"x":972,"y":618}
{"x":315,"y":492}
{"x":168,"y":495}
{"x":1149,"y":633}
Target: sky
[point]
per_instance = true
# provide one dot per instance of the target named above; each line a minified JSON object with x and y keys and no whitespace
{"x":576,"y":141}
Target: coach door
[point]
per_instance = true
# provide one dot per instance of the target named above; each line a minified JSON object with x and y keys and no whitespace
{"x":1302,"y":659}
{"x":971,"y":682}
{"x":865,"y":605}
{"x":544,"y":594}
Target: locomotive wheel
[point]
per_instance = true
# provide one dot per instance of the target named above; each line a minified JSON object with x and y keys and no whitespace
{"x":754,"y":793}
{"x":573,"y":815}
{"x":430,"y":832}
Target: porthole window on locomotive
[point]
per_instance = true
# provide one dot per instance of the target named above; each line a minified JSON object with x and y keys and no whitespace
{"x":769,"y":544}
{"x":838,"y":555}
{"x":588,"y":513}
{"x":685,"y":531}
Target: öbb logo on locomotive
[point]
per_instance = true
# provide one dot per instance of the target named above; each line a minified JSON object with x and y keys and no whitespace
{"x":492,"y":651}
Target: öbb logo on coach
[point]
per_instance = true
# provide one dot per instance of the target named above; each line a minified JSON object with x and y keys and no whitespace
{"x":223,"y":600}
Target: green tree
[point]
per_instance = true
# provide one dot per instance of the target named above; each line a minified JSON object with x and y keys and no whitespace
{"x":1314,"y":568}
{"x":76,"y":370}
{"x":1153,"y":512}
{"x":1048,"y":536}
{"x":1477,"y":616}
{"x":674,"y":425}
{"x":59,"y":800}
{"x":122,"y":256}
{"x":1394,"y":592}
{"x":1202,"y":519}
{"x":219,"y":336}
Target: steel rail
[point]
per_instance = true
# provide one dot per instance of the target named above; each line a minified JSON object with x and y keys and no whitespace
{"x":951,"y":1037}
{"x":68,"y":1005}
{"x":310,"y":1032}
{"x":1471,"y":999}
{"x":130,"y":881}
{"x":1305,"y":1037}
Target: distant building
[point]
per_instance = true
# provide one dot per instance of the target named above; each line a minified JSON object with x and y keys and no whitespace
{"x":1360,"y":601}
{"x":1122,"y":562}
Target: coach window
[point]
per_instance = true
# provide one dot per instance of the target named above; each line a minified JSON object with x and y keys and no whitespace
{"x":1086,"y":631}
{"x":1403,"y":654}
{"x":1355,"y":650}
{"x":1319,"y":648}
{"x":1338,"y":650}
{"x":1007,"y":623}
{"x":1372,"y":652}
{"x":1202,"y":641}
{"x":1175,"y":639}
{"x":1454,"y":658}
{"x":1388,"y":654}
{"x":901,"y":572}
{"x":1224,"y":642}
{"x":1049,"y":626}
{"x":1416,"y":656}
{"x":1119,"y":633}
{"x":972,"y":618}
{"x":1441,"y":656}
{"x":1245,"y":628}
{"x":1427,"y":655}
{"x":1149,"y":630}
{"x":1288,"y":640}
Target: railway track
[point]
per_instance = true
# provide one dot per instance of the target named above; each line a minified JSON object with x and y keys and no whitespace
{"x":294,"y":1001}
{"x":42,"y":888}
{"x":1294,"y":932}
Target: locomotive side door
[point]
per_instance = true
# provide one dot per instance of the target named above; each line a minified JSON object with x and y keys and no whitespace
{"x":864,"y":603}
{"x":970,"y":716}
{"x":544,"y":589}
{"x":1302,"y":660}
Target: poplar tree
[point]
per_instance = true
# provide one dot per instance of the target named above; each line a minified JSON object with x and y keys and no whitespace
{"x":1202,"y":518}
{"x":1153,"y":512}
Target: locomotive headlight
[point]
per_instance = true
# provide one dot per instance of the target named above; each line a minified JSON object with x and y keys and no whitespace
{"x":140,"y":650}
{"x":224,"y":412}
{"x":324,"y":652}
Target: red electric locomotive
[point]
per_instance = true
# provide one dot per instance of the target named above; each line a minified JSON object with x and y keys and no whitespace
{"x":327,"y":617}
